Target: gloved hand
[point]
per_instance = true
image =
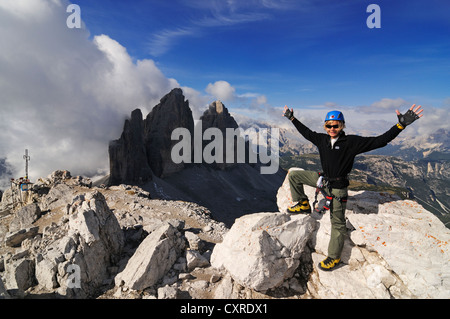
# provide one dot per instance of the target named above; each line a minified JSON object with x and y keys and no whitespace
{"x":289,"y":113}
{"x":409,"y":117}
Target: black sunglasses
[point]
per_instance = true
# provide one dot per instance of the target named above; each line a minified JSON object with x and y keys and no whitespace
{"x":332,"y":126}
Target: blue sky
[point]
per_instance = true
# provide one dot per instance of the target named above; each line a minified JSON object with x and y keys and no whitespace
{"x":293,"y":52}
{"x":73,"y":88}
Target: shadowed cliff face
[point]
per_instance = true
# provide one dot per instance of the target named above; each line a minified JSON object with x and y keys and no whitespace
{"x":144,"y":147}
{"x":172,"y":112}
{"x":128,"y":156}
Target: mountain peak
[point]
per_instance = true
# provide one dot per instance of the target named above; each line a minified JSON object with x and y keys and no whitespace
{"x":217,"y":115}
{"x":217,"y":106}
{"x":143,"y":149}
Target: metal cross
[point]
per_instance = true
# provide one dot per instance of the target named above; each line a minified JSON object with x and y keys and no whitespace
{"x":26,"y":158}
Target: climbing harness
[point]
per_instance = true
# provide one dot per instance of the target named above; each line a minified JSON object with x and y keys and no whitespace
{"x":323,"y":184}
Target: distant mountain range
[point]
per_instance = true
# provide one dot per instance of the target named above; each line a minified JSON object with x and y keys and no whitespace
{"x":425,"y":181}
{"x":435,"y":146}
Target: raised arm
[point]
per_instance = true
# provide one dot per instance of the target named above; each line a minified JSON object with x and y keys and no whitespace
{"x":305,"y":131}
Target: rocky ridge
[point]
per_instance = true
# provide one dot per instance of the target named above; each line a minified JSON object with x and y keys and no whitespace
{"x":96,"y":228}
{"x":75,"y":240}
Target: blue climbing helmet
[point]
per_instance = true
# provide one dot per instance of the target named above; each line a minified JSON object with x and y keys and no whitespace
{"x":335,"y":116}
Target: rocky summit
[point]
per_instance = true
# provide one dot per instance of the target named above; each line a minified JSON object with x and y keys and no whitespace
{"x":69,"y":239}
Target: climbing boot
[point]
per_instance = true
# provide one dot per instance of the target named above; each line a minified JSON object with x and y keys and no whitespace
{"x":301,"y":207}
{"x":329,"y":263}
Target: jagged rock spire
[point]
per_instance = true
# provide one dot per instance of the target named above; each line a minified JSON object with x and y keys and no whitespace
{"x":144,"y":146}
{"x":217,"y":115}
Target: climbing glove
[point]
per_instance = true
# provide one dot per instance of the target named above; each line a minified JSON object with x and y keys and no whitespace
{"x":289,"y":114}
{"x":407,"y":118}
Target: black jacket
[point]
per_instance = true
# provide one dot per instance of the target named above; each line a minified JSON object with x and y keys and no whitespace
{"x":337,"y":162}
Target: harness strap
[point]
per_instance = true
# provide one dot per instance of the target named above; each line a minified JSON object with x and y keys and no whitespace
{"x":323,"y":183}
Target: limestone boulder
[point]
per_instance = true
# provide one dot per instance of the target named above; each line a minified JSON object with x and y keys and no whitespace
{"x":153,"y":258}
{"x":263,"y":250}
{"x":15,"y":238}
{"x":412,"y":241}
{"x":25,"y":216}
{"x":75,"y":257}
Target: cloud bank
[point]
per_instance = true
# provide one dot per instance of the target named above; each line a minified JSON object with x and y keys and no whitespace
{"x":64,"y":96}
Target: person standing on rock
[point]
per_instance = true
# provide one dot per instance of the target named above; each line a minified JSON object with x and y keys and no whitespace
{"x":337,"y":153}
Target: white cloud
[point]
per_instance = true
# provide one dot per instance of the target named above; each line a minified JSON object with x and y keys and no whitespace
{"x":377,"y":118}
{"x":29,"y":11}
{"x":384,"y":105}
{"x":212,"y":15}
{"x":261,"y":100}
{"x":248,"y":104}
{"x":140,"y":83}
{"x":197,"y":102}
{"x":162,"y":41}
{"x":430,"y":122}
{"x":64,"y":96}
{"x":221,"y":90}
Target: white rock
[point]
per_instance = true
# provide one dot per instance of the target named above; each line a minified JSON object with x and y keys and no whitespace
{"x":284,"y":197}
{"x":19,"y":274}
{"x":412,"y":241}
{"x":225,"y":290}
{"x":195,"y":242}
{"x":153,"y":258}
{"x":167,"y":292}
{"x":14,"y":239}
{"x":3,"y":292}
{"x":342,"y":282}
{"x":93,"y":242}
{"x":262,"y":250}
{"x":195,"y":259}
{"x":46,"y":273}
{"x":25,"y":216}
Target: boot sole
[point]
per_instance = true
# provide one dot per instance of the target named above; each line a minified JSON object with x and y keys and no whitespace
{"x":302,"y":212}
{"x":328,"y":269}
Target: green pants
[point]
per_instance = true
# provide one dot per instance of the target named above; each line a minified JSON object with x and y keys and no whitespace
{"x":337,"y":212}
